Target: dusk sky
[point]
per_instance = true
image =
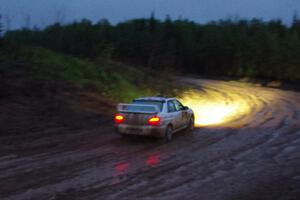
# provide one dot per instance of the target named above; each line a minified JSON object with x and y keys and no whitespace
{"x":20,"y":13}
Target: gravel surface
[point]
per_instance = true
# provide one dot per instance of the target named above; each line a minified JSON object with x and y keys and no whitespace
{"x":69,"y":155}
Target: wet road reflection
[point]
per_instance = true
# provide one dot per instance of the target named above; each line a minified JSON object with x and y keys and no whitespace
{"x":122,"y":167}
{"x":248,"y":141}
{"x":152,"y":160}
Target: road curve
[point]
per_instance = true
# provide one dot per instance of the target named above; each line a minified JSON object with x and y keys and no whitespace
{"x":249,"y":148}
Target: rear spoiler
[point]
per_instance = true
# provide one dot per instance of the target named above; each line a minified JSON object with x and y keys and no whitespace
{"x":137,"y":108}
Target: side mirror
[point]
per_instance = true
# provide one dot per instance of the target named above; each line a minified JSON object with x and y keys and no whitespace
{"x":185,"y":108}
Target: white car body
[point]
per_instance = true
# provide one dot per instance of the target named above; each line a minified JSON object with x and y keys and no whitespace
{"x":169,"y":116}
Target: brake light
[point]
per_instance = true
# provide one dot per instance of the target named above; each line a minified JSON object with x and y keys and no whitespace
{"x":154,"y":120}
{"x":119,"y":118}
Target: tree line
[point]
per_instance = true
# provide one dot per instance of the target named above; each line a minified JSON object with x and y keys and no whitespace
{"x":231,"y":47}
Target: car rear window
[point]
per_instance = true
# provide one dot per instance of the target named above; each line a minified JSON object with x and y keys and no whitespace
{"x":137,"y":108}
{"x":147,"y":102}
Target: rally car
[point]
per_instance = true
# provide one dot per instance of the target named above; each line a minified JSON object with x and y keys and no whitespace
{"x":153,"y":116}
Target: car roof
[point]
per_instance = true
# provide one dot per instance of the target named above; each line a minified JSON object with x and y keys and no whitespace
{"x":153,"y":99}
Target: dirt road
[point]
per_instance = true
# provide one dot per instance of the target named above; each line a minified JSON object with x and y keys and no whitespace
{"x":255,"y":155}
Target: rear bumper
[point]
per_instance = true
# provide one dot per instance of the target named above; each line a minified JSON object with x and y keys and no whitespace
{"x":155,"y":131}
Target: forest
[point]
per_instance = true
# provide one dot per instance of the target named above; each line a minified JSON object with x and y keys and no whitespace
{"x":226,"y":48}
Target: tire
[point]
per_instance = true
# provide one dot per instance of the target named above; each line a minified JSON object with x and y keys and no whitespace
{"x":168,"y":133}
{"x":191,"y":125}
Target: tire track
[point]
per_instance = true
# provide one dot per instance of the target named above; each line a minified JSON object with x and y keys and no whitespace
{"x":257,"y":146}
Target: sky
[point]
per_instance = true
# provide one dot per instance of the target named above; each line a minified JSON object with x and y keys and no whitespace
{"x":29,"y":13}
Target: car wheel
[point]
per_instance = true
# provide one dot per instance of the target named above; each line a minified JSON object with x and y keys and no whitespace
{"x":168,"y":133}
{"x":191,"y":124}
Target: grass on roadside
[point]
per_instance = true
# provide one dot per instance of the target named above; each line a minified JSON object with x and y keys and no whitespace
{"x":116,"y":81}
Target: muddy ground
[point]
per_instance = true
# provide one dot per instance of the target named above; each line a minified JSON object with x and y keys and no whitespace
{"x":57,"y":142}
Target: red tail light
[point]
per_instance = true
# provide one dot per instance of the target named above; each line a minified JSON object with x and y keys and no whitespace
{"x":154,"y":120}
{"x":119,"y":118}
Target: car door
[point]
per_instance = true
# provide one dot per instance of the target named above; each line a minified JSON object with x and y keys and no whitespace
{"x":174,"y":114}
{"x":184,"y":115}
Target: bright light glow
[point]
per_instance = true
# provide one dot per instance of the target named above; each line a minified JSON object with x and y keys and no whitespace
{"x":212,"y":108}
{"x":154,"y":120}
{"x":119,"y":118}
